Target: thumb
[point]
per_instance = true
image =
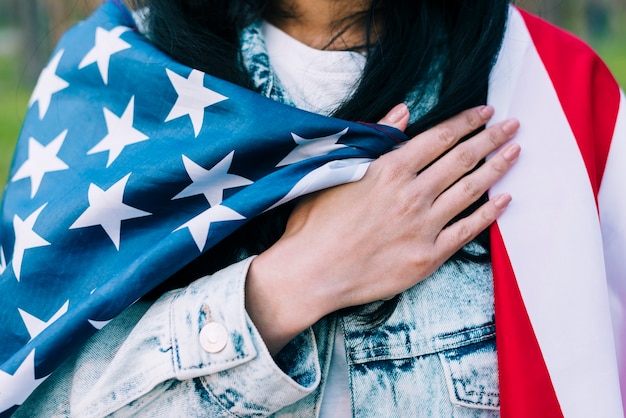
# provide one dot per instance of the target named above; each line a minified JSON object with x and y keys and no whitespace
{"x":397,"y":117}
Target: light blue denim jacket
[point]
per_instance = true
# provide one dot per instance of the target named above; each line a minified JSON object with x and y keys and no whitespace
{"x":434,"y":357}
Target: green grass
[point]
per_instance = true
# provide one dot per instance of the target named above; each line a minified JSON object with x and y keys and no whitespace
{"x":13,"y":103}
{"x":615,"y":57}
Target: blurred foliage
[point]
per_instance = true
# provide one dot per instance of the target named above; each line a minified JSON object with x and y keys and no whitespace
{"x":612,"y":48}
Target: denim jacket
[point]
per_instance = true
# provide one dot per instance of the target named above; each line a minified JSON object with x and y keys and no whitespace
{"x":434,"y":357}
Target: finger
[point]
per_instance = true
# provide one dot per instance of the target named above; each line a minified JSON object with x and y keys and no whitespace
{"x":426,"y":147}
{"x":467,"y":190}
{"x":464,"y":158}
{"x":455,"y":236}
{"x":398,"y":117}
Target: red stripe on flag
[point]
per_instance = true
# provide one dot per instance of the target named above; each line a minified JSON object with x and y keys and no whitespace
{"x":525,"y":386}
{"x":586,"y":89}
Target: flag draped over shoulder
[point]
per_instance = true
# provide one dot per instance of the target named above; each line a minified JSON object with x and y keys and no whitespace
{"x":559,"y":251}
{"x":129,"y":166}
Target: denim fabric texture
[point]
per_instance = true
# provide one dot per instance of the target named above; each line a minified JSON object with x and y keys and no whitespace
{"x":434,"y":357}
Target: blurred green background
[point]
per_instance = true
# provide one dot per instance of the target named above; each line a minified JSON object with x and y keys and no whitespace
{"x":30,"y":28}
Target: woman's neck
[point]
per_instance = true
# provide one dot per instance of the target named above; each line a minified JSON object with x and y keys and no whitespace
{"x":323,"y":24}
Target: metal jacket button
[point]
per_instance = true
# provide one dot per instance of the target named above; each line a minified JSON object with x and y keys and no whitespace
{"x":213,"y":337}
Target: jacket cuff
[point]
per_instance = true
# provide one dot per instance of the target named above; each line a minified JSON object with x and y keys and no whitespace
{"x":212,"y":335}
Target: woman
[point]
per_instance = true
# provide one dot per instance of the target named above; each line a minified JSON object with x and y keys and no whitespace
{"x":377,"y":299}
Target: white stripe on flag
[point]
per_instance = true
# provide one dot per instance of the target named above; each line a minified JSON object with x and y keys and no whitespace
{"x":552,"y":235}
{"x":612,"y":202}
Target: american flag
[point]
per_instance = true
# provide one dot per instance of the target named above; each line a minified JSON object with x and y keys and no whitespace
{"x":128,"y":167}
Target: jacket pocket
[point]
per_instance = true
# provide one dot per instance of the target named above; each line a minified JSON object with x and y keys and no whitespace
{"x":471,"y":374}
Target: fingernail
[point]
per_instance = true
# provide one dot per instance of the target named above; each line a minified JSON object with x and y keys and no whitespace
{"x":511,"y":152}
{"x":485,"y":111}
{"x":502,"y":201}
{"x":510,"y":126}
{"x":397,"y":113}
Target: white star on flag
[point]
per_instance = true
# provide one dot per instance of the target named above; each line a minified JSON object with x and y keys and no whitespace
{"x":107,"y":210}
{"x":35,"y":325}
{"x":312,"y":147}
{"x":48,"y":84}
{"x":120,"y":133}
{"x":211,"y":183}
{"x":107,"y":44}
{"x":41,"y":160}
{"x":18,"y":386}
{"x":200,"y":225}
{"x":25,"y":238}
{"x":192,"y":99}
{"x":98,"y":324}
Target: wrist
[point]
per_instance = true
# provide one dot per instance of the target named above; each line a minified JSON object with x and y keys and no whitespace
{"x":278,"y":301}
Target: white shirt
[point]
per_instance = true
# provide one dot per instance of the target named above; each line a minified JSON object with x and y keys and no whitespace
{"x":317,"y":81}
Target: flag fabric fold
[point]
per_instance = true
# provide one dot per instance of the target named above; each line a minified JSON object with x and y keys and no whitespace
{"x":558,"y":251}
{"x":130,"y":165}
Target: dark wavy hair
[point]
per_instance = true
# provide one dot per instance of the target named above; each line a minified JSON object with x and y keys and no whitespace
{"x":416,"y":35}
